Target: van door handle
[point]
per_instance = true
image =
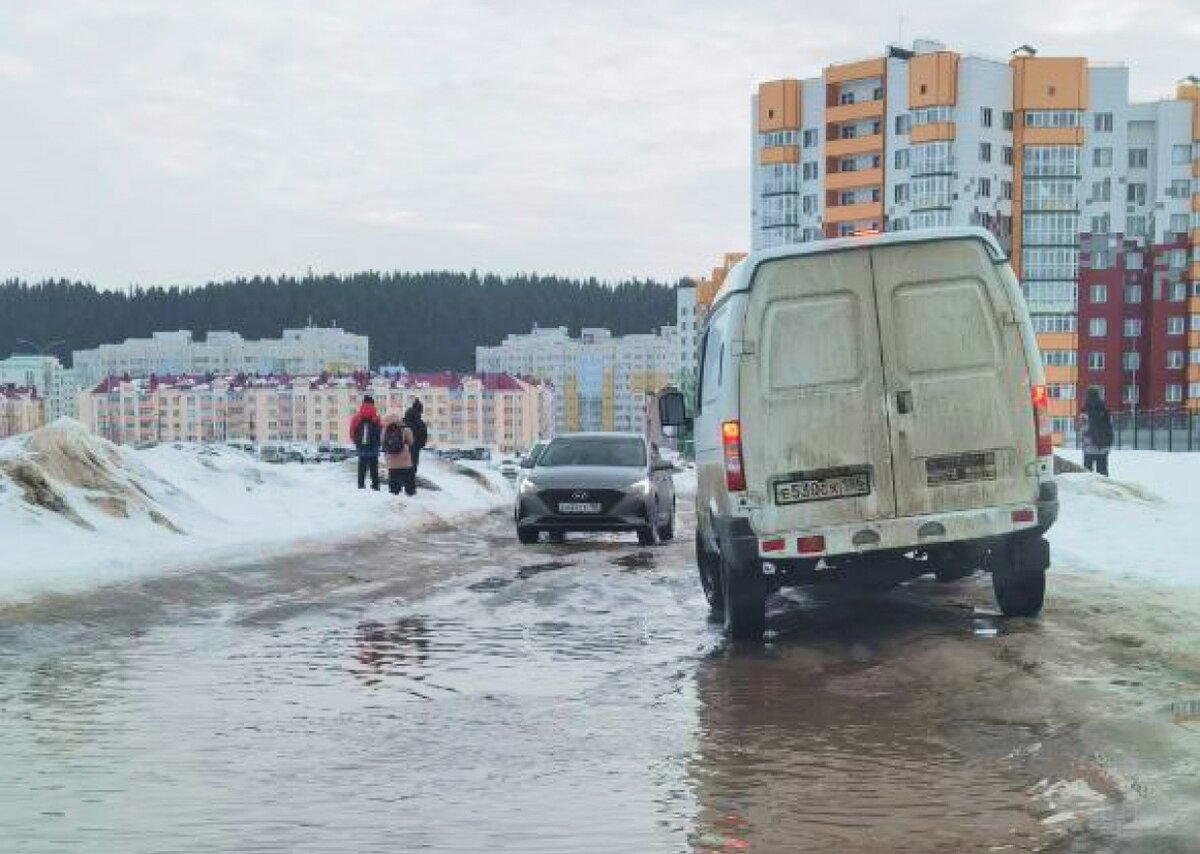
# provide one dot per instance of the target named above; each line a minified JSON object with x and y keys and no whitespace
{"x":904,"y":402}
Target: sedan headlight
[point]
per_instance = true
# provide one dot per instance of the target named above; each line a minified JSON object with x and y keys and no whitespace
{"x":641,"y":487}
{"x":528,"y":487}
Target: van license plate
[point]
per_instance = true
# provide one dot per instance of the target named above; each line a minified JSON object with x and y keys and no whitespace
{"x":579,"y":507}
{"x":826,"y":488}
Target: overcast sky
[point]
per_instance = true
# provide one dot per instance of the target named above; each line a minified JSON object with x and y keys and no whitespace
{"x":179,"y":141}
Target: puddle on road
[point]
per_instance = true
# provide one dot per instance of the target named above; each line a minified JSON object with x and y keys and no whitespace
{"x":635,"y":561}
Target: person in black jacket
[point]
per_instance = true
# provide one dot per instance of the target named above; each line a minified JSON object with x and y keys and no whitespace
{"x":366,"y":431}
{"x":1096,"y":431}
{"x":414,"y":422}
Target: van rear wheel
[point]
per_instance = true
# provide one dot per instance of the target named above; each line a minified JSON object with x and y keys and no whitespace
{"x":1019,"y":576}
{"x":745,"y":597}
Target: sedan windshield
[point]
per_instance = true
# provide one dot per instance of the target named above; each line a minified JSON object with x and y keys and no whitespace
{"x":593,"y":451}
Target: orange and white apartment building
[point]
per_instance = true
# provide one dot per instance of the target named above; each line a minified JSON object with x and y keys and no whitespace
{"x":1096,"y":198}
{"x":21,"y":410}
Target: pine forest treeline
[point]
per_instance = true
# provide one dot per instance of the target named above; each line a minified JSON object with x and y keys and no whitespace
{"x":427,"y":321}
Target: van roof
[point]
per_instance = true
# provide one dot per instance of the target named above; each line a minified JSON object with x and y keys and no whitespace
{"x":741,"y":274}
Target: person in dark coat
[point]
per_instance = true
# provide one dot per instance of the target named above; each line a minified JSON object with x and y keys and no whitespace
{"x":1096,"y":431}
{"x":398,"y":456}
{"x":414,"y":421}
{"x":366,"y":431}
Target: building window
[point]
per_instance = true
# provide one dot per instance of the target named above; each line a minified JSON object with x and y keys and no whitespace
{"x":932,"y":115}
{"x":1103,"y":122}
{"x":1133,"y":294}
{"x":985,"y":152}
{"x":1193,"y":390}
{"x":1175,"y":325}
{"x":902,"y":158}
{"x":1174,"y":359}
{"x":985,"y":116}
{"x":1007,"y":155}
{"x":1194,"y":356}
{"x":1134,"y":260}
{"x":1181,"y":154}
{"x":1132,"y":328}
{"x":1177,"y":292}
{"x":1174,"y":392}
{"x":1180,"y":188}
{"x":1007,"y":118}
{"x":1129,"y":394}
{"x":1101,"y":260}
{"x":1102,"y":157}
{"x":1058,"y":358}
{"x":901,"y":193}
{"x":1095,"y":361}
{"x":1102,"y":191}
{"x":1135,"y":194}
{"x":1101,"y":224}
{"x":810,"y":137}
{"x":1178,"y":224}
{"x":985,"y":188}
{"x":808,"y":171}
{"x":1052,"y":118}
{"x":1061,"y":391}
{"x":1098,"y":327}
{"x":1135,"y":226}
{"x":1139,"y":158}
{"x":903,"y":124}
{"x":1099,"y":293}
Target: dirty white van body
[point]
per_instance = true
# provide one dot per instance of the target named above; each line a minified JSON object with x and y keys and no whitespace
{"x":871,"y":408}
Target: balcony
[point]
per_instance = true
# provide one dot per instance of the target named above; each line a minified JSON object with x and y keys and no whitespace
{"x":850,"y":213}
{"x":868,"y":144}
{"x":854,"y":112}
{"x":934,"y":132}
{"x":854,"y":178}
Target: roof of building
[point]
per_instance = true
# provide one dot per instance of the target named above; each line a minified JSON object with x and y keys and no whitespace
{"x":11,"y":391}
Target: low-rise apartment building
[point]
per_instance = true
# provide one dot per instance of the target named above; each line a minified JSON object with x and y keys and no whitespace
{"x":55,"y":385}
{"x":501,"y":411}
{"x":21,"y":410}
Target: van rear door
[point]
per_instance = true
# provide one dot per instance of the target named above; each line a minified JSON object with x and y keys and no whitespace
{"x":958,"y":397}
{"x":814,"y":432}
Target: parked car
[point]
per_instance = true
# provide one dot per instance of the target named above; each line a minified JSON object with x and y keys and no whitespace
{"x":875,"y":407}
{"x":597,"y":482}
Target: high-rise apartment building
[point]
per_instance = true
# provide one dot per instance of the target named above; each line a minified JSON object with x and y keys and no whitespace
{"x":311,"y":350}
{"x":602,"y":381}
{"x":55,"y":385}
{"x":1092,"y":195}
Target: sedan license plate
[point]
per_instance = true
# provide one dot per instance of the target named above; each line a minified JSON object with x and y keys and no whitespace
{"x":579,"y":507}
{"x":823,"y":487}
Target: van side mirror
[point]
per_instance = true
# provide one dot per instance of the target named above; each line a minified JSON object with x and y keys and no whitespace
{"x":672,"y":410}
{"x":526,"y":462}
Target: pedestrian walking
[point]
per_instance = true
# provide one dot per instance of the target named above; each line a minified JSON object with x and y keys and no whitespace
{"x":365,"y":432}
{"x":398,"y":449}
{"x":1096,"y":431}
{"x":414,"y":420}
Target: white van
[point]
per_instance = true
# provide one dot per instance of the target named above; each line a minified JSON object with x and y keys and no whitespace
{"x":872,"y":409}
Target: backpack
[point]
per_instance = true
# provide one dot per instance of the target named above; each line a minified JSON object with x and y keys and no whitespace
{"x":366,"y":435}
{"x":393,"y":439}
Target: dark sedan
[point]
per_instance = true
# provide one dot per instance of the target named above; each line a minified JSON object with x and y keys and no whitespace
{"x":597,"y":482}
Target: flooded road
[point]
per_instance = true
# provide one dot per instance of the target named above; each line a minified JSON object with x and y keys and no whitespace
{"x":449,"y":690}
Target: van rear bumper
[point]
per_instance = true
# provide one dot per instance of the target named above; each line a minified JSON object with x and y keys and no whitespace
{"x":913,"y":532}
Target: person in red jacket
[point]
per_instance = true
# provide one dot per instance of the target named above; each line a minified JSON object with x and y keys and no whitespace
{"x":366,"y":431}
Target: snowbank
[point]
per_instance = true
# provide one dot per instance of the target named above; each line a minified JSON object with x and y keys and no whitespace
{"x":77,"y":511}
{"x":1138,"y":524}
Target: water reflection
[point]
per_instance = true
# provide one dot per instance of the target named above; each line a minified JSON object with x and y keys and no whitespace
{"x":853,"y":732}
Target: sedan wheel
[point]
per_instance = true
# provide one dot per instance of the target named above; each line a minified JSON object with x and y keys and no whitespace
{"x":648,"y":534}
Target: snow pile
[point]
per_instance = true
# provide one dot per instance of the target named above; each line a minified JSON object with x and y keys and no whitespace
{"x":1140,"y":523}
{"x":76,"y":510}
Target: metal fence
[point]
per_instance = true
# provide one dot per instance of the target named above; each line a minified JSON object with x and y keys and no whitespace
{"x":1154,"y":430}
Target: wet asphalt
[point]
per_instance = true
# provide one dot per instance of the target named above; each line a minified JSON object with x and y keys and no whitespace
{"x":449,"y":690}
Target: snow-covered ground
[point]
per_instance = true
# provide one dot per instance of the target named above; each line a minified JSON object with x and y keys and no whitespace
{"x":1139,"y":523}
{"x":77,"y":511}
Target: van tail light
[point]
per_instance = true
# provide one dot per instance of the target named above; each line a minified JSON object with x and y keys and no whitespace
{"x":811,"y":545}
{"x":1041,"y":420}
{"x":731,"y":443}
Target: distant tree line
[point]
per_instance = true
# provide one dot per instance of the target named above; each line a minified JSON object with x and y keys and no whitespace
{"x":427,"y":321}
